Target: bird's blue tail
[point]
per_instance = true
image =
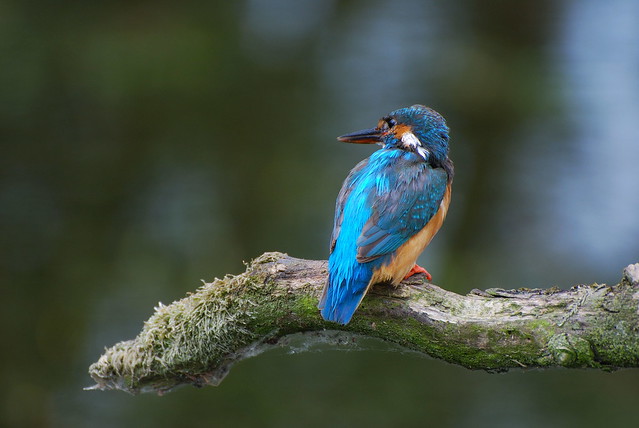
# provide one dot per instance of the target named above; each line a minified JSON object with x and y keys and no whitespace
{"x":344,"y":291}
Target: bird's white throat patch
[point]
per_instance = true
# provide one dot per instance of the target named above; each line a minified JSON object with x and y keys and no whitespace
{"x":410,"y":141}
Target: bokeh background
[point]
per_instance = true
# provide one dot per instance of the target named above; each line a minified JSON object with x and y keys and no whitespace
{"x":147,"y":145}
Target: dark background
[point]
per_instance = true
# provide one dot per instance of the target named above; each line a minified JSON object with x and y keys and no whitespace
{"x":148,"y":146}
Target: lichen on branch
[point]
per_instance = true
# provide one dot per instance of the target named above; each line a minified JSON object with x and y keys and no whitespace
{"x":197,"y":339}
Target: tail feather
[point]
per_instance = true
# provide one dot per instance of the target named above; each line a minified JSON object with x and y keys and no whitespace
{"x":343,"y":293}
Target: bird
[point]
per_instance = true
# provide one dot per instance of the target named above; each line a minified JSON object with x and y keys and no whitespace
{"x":389,"y":208}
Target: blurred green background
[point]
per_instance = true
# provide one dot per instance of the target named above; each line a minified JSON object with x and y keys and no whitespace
{"x":148,"y":145}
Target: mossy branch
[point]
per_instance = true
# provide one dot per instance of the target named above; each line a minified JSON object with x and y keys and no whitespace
{"x":197,"y":339}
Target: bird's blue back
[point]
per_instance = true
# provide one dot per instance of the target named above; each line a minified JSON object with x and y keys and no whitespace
{"x":385,"y":200}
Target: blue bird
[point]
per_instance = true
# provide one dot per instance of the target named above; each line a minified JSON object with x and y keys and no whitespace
{"x":390,"y":207}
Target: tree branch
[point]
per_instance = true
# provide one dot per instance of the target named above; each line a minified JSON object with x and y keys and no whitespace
{"x":196,"y":340}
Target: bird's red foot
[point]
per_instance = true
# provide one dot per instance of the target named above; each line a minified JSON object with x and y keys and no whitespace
{"x":418,"y":269}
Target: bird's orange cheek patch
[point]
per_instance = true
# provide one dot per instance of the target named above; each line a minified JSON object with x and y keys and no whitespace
{"x":401,"y":129}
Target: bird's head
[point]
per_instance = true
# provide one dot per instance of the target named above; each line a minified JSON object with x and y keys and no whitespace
{"x":415,"y":129}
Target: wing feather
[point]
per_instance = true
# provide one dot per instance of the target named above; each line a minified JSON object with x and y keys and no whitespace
{"x":342,"y":197}
{"x":411,"y":199}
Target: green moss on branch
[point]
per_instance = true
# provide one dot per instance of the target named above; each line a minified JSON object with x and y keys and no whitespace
{"x":197,"y":339}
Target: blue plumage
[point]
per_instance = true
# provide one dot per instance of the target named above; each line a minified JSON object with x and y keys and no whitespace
{"x":385,"y":203}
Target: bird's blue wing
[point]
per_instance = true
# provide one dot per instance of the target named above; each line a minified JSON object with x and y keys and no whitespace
{"x":405,"y":202}
{"x":342,"y":197}
{"x":348,"y":279}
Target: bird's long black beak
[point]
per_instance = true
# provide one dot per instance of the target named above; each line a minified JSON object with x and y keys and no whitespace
{"x":365,"y":136}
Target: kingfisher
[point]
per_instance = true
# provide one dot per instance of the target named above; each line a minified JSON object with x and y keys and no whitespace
{"x":389,"y":208}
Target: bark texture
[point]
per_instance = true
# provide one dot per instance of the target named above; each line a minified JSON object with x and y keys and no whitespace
{"x":196,"y":340}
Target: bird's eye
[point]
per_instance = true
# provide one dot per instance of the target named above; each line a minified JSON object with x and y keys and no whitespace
{"x":386,"y":123}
